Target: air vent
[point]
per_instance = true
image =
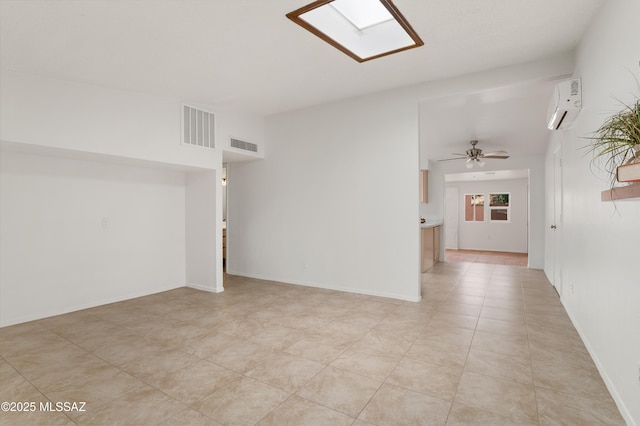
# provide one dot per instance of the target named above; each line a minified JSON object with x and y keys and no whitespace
{"x":575,"y":87}
{"x":198,"y":127}
{"x":247,"y":146}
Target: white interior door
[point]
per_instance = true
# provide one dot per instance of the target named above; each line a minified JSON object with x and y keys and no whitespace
{"x":556,"y":226}
{"x":451,"y":218}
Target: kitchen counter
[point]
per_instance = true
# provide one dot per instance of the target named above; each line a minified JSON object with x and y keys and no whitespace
{"x":431,"y":224}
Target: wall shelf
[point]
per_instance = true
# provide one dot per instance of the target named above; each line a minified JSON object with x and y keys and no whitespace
{"x":621,"y":193}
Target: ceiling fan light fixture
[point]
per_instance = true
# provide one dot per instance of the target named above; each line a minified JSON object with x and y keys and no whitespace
{"x":475,"y":155}
{"x":362,"y":29}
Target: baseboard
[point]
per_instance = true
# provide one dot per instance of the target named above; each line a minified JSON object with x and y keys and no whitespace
{"x":204,"y":288}
{"x":603,"y":373}
{"x":68,"y":309}
{"x":328,"y":287}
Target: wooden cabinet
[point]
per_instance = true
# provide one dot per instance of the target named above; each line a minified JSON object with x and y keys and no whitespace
{"x":427,"y":248}
{"x":430,"y":242}
{"x":424,"y":186}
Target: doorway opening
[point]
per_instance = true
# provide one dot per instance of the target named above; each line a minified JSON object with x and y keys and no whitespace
{"x":487,"y":217}
{"x":224,"y":218}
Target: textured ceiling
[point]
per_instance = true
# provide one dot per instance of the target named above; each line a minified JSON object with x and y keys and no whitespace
{"x":246,"y":54}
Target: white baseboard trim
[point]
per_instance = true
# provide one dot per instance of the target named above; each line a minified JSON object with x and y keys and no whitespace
{"x":603,"y":373}
{"x":92,"y":304}
{"x":219,"y":289}
{"x":328,"y":287}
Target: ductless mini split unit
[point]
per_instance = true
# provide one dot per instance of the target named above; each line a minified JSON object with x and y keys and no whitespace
{"x":565,"y":104}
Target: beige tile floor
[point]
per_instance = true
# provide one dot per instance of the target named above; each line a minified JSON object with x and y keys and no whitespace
{"x":488,"y":345}
{"x":483,"y":256}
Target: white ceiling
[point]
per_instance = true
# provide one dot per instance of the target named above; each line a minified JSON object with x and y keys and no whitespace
{"x":511,"y":118}
{"x":246,"y":54}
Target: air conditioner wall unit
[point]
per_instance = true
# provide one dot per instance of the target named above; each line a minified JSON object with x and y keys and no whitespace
{"x":565,"y":104}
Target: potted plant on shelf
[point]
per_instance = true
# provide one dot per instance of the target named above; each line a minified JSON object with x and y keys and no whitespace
{"x":616,"y":144}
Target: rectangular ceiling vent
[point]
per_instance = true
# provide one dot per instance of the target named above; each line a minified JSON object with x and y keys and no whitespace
{"x":247,"y":146}
{"x":198,"y":127}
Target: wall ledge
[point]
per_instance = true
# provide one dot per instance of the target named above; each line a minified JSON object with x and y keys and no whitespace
{"x":73,"y":154}
{"x":621,"y":193}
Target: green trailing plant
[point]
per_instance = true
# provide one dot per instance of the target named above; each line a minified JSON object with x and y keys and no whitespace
{"x":617,"y":141}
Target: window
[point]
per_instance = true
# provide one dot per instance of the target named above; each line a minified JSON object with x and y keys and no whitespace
{"x":499,"y":209}
{"x":474,"y":207}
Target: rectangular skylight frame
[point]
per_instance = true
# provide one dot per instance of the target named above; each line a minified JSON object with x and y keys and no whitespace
{"x":375,"y":12}
{"x":363,"y":44}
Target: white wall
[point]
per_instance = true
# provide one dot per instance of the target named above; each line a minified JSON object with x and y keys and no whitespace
{"x":82,"y":117}
{"x":87,"y":118}
{"x":204,"y":264}
{"x":117,"y":129}
{"x":56,"y":253}
{"x":334,"y":203}
{"x":600,"y":241}
{"x":509,"y":236}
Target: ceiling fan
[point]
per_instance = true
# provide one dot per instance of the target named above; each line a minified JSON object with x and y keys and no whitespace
{"x":475,"y":156}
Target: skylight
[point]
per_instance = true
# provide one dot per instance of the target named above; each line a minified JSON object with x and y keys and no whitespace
{"x":363,"y":14}
{"x":363,"y":29}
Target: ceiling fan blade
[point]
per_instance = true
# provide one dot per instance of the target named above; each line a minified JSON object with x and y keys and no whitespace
{"x":455,"y":153}
{"x":459,"y":158}
{"x":500,"y":152}
{"x":502,"y":157}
